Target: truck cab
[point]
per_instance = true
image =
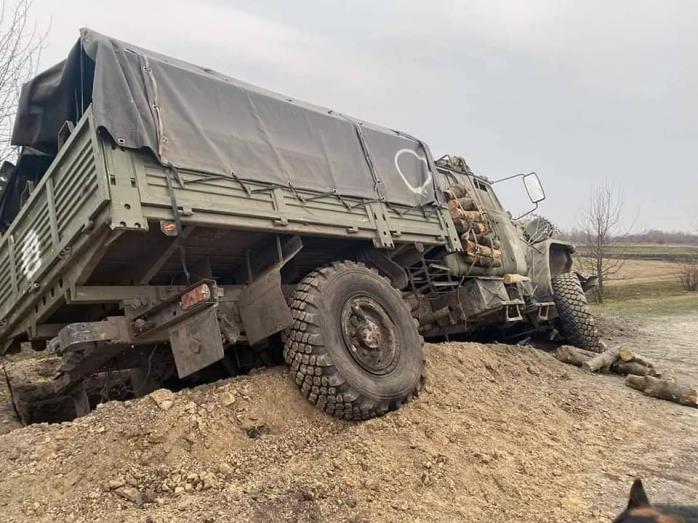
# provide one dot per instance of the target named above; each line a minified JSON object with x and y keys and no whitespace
{"x":506,"y":270}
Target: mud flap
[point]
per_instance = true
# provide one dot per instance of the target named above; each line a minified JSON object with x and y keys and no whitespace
{"x":263,"y":307}
{"x":196,"y":342}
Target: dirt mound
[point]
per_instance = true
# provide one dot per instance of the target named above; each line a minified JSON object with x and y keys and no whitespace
{"x":498,"y":431}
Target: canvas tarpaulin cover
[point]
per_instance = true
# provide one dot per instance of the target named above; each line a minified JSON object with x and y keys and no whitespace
{"x":194,"y":118}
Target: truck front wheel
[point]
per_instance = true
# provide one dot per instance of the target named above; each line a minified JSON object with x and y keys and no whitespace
{"x":354,"y":348}
{"x":576,"y":322}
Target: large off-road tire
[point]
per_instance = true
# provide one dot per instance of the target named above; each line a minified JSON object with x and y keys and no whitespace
{"x":354,"y":348}
{"x":576,"y":322}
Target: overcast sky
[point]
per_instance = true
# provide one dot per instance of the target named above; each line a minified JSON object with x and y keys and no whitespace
{"x":580,"y":92}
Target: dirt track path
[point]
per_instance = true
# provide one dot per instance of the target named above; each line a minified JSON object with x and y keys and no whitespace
{"x":673,"y":341}
{"x":665,"y":456}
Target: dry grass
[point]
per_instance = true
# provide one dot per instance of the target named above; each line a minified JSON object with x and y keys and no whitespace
{"x":642,"y":271}
{"x":688,"y":276}
{"x":649,"y":251}
{"x":647,"y":288}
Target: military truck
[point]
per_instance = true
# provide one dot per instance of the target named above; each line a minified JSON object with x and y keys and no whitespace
{"x":163,"y":219}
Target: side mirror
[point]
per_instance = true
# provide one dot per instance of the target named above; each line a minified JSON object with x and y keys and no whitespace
{"x":533,"y":187}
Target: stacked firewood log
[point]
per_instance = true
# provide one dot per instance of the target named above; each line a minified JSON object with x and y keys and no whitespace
{"x":640,"y":372}
{"x":481,"y":247}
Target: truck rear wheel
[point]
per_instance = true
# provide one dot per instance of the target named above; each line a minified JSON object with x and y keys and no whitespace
{"x":576,"y":322}
{"x":354,"y":348}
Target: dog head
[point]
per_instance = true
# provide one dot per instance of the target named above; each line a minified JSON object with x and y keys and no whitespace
{"x":640,"y":510}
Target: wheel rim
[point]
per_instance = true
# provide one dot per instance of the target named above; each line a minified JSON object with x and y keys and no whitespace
{"x":370,"y":335}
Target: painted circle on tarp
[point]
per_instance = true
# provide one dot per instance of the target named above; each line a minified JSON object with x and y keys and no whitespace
{"x":420,"y":188}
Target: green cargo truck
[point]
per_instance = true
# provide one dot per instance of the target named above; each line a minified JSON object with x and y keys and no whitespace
{"x":163,"y":219}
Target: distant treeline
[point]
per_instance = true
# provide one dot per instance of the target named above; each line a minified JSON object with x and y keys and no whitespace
{"x":647,"y":237}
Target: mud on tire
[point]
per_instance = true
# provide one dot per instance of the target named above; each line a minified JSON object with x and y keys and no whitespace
{"x":354,"y":348}
{"x":576,"y":322}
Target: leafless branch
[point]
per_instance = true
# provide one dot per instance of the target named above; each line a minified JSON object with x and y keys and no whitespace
{"x":688,"y":275}
{"x":21,"y":43}
{"x":602,"y":221}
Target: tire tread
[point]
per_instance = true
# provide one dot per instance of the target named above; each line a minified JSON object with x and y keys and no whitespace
{"x":310,"y":363}
{"x":576,"y":321}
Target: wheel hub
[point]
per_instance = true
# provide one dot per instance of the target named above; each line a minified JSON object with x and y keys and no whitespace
{"x":369,"y":334}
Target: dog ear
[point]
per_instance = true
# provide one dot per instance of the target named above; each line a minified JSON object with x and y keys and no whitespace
{"x":638,"y":496}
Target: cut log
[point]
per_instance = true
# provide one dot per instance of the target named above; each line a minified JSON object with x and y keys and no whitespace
{"x":664,"y":389}
{"x":632,"y":367}
{"x":626,"y":355}
{"x":476,"y":227}
{"x":482,"y":239}
{"x":468,"y":216}
{"x":573,"y":355}
{"x":482,"y":261}
{"x":462,"y":204}
{"x":509,"y":279}
{"x":602,"y":361}
{"x":644,"y":361}
{"x":455,"y":191}
{"x":467,"y":204}
{"x":472,"y":249}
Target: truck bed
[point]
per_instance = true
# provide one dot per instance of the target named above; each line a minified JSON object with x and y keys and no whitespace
{"x":94,"y":219}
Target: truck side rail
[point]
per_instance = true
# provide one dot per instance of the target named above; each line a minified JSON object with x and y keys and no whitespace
{"x":48,"y":227}
{"x":225,"y":201}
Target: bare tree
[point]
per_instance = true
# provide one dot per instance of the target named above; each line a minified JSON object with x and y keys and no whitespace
{"x":20,"y":47}
{"x":688,"y":275}
{"x":602,"y":221}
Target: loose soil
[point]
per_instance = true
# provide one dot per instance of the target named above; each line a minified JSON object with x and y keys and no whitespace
{"x":499,"y":433}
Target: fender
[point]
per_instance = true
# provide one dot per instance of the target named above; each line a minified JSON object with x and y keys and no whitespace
{"x":546,"y":260}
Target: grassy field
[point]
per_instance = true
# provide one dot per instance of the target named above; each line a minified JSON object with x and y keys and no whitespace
{"x":647,"y":299}
{"x":647,"y":283}
{"x":675,"y":253}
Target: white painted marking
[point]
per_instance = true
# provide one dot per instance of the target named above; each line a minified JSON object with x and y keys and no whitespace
{"x":419,"y":189}
{"x":31,"y":255}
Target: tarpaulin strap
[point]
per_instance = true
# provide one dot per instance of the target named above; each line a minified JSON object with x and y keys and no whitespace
{"x":366,"y":202}
{"x":242,"y":184}
{"x":266,"y":188}
{"x":428,"y":206}
{"x":367,"y":153}
{"x":474,"y":236}
{"x":343,"y":201}
{"x":172,"y":171}
{"x":208,"y":178}
{"x":404,"y":212}
{"x":295,"y":192}
{"x":333,"y":192}
{"x":398,"y":211}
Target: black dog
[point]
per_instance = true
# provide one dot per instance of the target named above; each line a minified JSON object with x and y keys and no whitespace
{"x":640,"y":510}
